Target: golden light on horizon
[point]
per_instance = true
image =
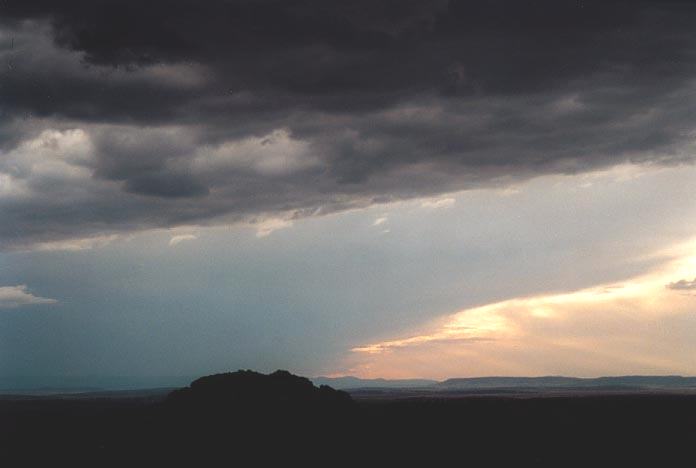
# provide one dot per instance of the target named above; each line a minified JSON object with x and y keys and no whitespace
{"x":632,"y":326}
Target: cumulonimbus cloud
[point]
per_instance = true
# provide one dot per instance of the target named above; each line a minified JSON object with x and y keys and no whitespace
{"x":119,"y":116}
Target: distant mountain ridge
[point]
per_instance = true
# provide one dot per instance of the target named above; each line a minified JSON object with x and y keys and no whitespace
{"x":632,"y":381}
{"x":81,"y":384}
{"x":65,"y":385}
{"x":350,"y":382}
{"x":482,"y":383}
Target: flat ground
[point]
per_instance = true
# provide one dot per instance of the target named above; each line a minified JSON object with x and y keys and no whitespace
{"x":492,"y":430}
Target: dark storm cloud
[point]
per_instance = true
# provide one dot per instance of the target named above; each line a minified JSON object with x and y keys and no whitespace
{"x":199,"y":111}
{"x":341,"y":54}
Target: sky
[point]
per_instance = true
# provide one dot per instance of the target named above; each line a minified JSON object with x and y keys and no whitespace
{"x":372,"y":188}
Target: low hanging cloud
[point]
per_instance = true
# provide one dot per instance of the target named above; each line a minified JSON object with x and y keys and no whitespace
{"x":439,"y":203}
{"x":17,"y":296}
{"x":265,"y":227}
{"x":175,"y":240}
{"x":119,"y":116}
{"x":683,"y":285}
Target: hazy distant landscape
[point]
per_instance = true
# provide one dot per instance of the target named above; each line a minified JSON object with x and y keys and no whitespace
{"x":520,"y":387}
{"x":363,"y":387}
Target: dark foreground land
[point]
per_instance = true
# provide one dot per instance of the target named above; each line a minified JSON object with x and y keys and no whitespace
{"x":248,"y":419}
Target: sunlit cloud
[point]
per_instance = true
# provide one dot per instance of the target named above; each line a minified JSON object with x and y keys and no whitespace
{"x":634,"y":326}
{"x":17,"y":296}
{"x":75,"y":245}
{"x":274,"y":154}
{"x":438,"y":203}
{"x":181,"y":238}
{"x":267,"y":226}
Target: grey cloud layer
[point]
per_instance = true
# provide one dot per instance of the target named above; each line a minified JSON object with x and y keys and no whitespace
{"x":683,"y":285}
{"x":192,"y":112}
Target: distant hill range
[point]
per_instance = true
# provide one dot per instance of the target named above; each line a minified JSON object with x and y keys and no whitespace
{"x":638,"y":382}
{"x":347,"y":383}
{"x":629,"y":381}
{"x":52,"y":385}
{"x":97,"y":385}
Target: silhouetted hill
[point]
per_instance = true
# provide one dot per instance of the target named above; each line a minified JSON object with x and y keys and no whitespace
{"x":266,"y":419}
{"x":247,"y":390}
